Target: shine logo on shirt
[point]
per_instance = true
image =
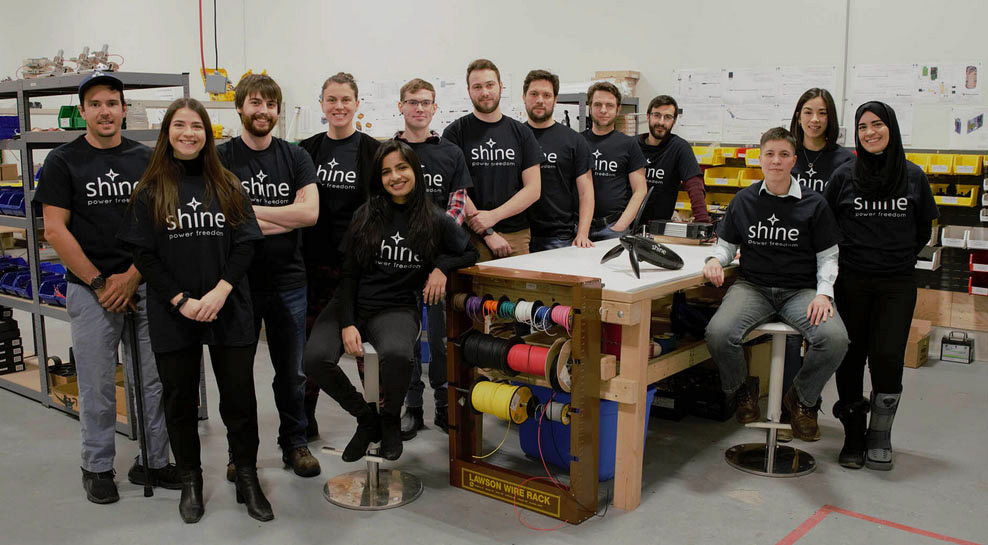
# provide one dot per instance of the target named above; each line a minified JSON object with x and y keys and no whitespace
{"x":769,"y":233}
{"x":185,"y":224}
{"x":603,"y":167}
{"x":489,"y":154}
{"x":336,"y":179}
{"x":108,"y":190}
{"x":810,"y":182}
{"x":653,"y":175}
{"x":433,"y":182}
{"x":266,"y":193}
{"x":889,"y":208}
{"x":396,"y":255}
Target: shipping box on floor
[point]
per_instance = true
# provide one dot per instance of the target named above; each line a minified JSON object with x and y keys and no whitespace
{"x":67,"y":395}
{"x":918,"y":343}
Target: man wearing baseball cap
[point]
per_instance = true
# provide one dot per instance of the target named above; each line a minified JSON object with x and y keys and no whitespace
{"x":85,"y":187}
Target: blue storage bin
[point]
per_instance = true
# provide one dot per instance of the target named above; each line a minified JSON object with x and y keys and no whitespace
{"x":53,"y":268}
{"x":8,"y":280}
{"x":53,"y":290}
{"x":5,"y":195}
{"x":22,"y":285}
{"x":9,"y":126}
{"x":555,"y":445}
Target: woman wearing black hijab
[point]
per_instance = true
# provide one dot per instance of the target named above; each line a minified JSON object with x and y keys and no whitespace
{"x":885,"y":210}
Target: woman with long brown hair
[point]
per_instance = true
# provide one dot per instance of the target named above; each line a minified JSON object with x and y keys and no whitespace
{"x":193,"y":232}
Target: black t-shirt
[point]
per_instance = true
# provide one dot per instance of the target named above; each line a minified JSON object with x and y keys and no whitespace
{"x":444,"y":168}
{"x":271,"y":177}
{"x":779,"y":237}
{"x":880,"y":236}
{"x":614,"y":156}
{"x":565,"y":157}
{"x":497,"y":154}
{"x":668,"y":165}
{"x":194,"y":249}
{"x":95,"y":186}
{"x":825,"y":162}
{"x":341,"y":192}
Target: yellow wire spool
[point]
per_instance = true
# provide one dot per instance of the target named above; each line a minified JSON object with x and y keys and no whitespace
{"x":504,"y":401}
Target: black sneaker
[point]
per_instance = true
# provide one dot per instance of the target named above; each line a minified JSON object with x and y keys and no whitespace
{"x":165,"y":477}
{"x":100,"y":487}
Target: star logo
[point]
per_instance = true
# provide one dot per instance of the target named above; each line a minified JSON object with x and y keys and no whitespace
{"x":490,"y":143}
{"x":194,"y":203}
{"x":333,"y":163}
{"x":261,"y":175}
{"x":112,"y":175}
{"x":773,"y":219}
{"x":397,"y":238}
{"x":810,"y":172}
{"x":596,"y":154}
{"x":648,"y":161}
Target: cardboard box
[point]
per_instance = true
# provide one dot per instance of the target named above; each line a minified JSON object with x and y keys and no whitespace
{"x":759,"y":358}
{"x":918,"y":343}
{"x":67,"y":395}
{"x":9,"y":171}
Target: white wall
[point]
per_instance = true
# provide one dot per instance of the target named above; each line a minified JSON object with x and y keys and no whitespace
{"x":301,"y":42}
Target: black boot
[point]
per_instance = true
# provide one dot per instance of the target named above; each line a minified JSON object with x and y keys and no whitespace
{"x":411,"y":422}
{"x":312,"y":428}
{"x":249,"y":492}
{"x":191,"y":505}
{"x":442,"y":419}
{"x":854,"y":418}
{"x":368,"y":431}
{"x":390,"y":436}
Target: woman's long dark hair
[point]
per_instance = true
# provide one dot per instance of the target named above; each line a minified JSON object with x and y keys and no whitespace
{"x":883,"y":175}
{"x":373,"y":214}
{"x":160,"y":180}
{"x":833,"y":131}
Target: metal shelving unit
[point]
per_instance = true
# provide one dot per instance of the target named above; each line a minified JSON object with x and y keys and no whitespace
{"x":22,"y":91}
{"x":580,"y":99}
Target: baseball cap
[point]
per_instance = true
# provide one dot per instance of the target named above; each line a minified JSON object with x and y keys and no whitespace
{"x":99,"y":77}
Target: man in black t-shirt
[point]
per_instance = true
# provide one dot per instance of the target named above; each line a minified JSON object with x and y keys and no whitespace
{"x":671,"y":164}
{"x":504,"y":159}
{"x":788,"y":239}
{"x":447,"y":180}
{"x":85,"y":188}
{"x":280,"y":180}
{"x":618,"y":166}
{"x":561,"y":217}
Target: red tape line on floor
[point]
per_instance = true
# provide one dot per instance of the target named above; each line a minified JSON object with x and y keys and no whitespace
{"x":822,"y":513}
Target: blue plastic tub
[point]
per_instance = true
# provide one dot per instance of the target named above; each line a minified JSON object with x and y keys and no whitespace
{"x":555,"y":445}
{"x":8,"y":281}
{"x":53,"y":291}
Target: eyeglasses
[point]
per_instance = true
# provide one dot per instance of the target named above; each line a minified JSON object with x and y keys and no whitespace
{"x":417,"y":103}
{"x":657,"y":115}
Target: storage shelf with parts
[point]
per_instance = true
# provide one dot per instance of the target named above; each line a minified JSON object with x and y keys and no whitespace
{"x":18,"y":293}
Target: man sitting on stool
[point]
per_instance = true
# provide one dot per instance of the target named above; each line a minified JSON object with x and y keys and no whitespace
{"x":788,"y":240}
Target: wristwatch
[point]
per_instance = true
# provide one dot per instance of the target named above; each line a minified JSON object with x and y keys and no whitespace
{"x":489,"y":231}
{"x":97,"y":283}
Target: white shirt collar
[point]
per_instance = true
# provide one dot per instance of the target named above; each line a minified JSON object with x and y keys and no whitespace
{"x":794,"y":189}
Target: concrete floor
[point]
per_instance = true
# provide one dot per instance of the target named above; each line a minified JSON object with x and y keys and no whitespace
{"x":938,"y":489}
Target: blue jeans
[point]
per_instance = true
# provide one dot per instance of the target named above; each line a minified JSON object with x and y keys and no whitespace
{"x":604,"y":233}
{"x":283,"y":313}
{"x":436,"y":331}
{"x":747,"y":306}
{"x":794,"y":360}
{"x":537,"y":244}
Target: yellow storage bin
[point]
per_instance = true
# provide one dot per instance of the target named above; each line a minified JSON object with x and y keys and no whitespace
{"x":718,"y":201}
{"x":752,"y":157}
{"x":722,"y":176}
{"x":749,"y":176}
{"x":922,"y":160}
{"x":683,"y":201}
{"x":730,"y":153}
{"x":941,"y":163}
{"x":967,"y":195}
{"x":967,"y":164}
{"x":708,"y":155}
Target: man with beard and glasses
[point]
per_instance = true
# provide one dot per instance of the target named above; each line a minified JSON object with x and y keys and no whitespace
{"x":503,"y":157}
{"x":671,"y":164}
{"x":280,"y":180}
{"x":567,"y":188}
{"x":618,"y":166}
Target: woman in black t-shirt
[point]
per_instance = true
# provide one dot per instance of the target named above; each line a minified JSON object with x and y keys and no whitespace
{"x":398,"y":242}
{"x":193,"y":232}
{"x":885,"y":210}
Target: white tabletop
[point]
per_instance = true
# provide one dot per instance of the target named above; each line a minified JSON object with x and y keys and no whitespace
{"x":616,"y":274}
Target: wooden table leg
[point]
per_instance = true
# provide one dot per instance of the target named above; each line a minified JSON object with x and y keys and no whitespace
{"x":635,"y":340}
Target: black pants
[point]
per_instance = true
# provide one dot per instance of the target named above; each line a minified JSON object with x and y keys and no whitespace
{"x":392,"y":332}
{"x":234,"y":370}
{"x":321,"y":283}
{"x":877,"y":311}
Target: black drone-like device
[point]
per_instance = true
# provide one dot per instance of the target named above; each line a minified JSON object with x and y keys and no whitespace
{"x":642,"y":247}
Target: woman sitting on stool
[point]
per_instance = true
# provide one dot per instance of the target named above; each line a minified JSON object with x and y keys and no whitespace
{"x":398,"y":242}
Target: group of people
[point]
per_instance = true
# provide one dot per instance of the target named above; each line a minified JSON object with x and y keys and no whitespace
{"x":343,"y":239}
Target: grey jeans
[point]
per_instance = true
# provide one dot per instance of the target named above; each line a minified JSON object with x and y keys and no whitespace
{"x":747,"y":306}
{"x":96,"y":338}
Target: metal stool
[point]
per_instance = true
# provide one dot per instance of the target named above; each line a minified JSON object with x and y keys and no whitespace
{"x":371,"y":489}
{"x":770,"y":459}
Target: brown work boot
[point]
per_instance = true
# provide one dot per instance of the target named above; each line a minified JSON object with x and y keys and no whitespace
{"x":301,"y":461}
{"x":747,"y":397}
{"x":804,"y":424}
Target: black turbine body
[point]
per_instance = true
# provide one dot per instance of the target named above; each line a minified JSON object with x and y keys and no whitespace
{"x":642,"y":247}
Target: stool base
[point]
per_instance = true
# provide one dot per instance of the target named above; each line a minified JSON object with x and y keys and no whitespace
{"x":752,"y":458}
{"x":352,"y":490}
